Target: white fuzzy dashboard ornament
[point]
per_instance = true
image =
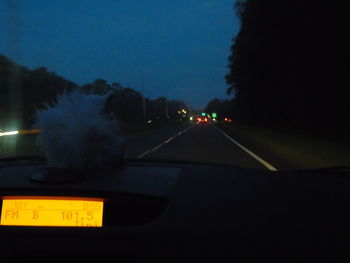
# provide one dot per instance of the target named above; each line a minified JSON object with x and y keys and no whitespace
{"x":78,"y":134}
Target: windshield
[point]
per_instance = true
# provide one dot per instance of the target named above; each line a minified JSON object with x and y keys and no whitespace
{"x":257,"y":84}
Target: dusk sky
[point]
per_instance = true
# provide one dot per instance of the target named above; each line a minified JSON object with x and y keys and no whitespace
{"x":179,"y":47}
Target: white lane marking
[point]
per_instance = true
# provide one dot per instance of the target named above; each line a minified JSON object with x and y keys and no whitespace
{"x":157,"y":147}
{"x":161,"y":144}
{"x":141,"y":155}
{"x":266,"y":164}
{"x":168,"y":140}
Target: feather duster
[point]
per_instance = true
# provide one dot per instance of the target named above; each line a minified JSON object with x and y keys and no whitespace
{"x":78,"y":134}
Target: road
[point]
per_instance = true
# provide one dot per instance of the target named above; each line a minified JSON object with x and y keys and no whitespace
{"x":193,"y":142}
{"x":219,"y":144}
{"x":184,"y":142}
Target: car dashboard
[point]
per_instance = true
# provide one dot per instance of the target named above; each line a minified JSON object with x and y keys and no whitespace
{"x":182,"y":212}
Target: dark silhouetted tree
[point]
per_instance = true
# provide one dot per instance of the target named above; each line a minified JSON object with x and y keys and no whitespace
{"x":289,"y":63}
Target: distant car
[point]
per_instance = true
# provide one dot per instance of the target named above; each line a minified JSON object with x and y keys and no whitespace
{"x":202,"y":120}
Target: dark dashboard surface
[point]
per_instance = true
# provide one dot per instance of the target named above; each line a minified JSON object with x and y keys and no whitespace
{"x":189,"y":212}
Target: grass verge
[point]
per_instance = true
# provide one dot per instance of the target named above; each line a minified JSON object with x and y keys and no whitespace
{"x":302,"y":151}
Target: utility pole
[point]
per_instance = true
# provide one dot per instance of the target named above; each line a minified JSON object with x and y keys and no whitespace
{"x":14,"y":38}
{"x":143,"y":101}
{"x":166,"y":109}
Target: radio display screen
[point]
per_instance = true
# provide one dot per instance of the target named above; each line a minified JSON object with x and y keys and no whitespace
{"x":51,"y":211}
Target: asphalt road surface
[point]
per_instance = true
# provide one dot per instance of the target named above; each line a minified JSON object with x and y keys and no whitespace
{"x":193,"y":142}
{"x":184,"y":142}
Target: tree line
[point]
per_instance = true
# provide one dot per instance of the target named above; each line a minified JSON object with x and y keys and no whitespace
{"x":130,"y":105}
{"x":289,"y":64}
{"x":222,"y":108}
{"x":22,"y":91}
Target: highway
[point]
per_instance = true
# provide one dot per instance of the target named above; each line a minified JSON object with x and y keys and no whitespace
{"x":214,"y":144}
{"x":192,"y":142}
{"x":196,"y":143}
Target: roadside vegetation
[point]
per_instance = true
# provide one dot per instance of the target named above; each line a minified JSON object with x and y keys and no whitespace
{"x":23,"y":90}
{"x":293,"y":149}
{"x":288,"y":66}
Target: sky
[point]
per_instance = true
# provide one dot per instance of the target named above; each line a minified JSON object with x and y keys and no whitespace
{"x":178,"y":49}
